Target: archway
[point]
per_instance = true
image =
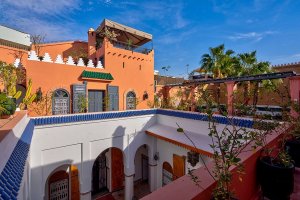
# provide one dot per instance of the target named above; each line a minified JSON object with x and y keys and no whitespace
{"x":108,"y":172}
{"x":167,"y":173}
{"x":60,"y":102}
{"x":58,"y":184}
{"x":142,"y":175}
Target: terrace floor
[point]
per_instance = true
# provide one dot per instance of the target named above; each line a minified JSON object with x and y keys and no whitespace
{"x":296,"y":194}
{"x":141,"y":189}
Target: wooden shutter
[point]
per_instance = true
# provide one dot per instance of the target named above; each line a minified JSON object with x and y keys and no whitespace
{"x":178,"y":166}
{"x":117,"y":169}
{"x":91,"y":100}
{"x":75,"y":194}
{"x":78,"y":89}
{"x":113,"y":96}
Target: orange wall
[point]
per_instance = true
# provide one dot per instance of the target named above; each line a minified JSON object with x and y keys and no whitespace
{"x":137,"y":74}
{"x":51,"y":76}
{"x":63,"y":48}
{"x":9,"y":54}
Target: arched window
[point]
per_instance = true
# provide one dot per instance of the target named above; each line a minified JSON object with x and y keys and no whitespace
{"x":130,"y":101}
{"x":60,"y":102}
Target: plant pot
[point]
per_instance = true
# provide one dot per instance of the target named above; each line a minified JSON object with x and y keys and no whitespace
{"x":5,"y":116}
{"x":293,"y":149}
{"x":276,"y":180}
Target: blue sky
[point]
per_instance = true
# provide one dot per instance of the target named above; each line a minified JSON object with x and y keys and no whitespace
{"x":182,"y":30}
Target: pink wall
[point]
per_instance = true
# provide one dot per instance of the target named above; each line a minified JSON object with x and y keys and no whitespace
{"x":185,"y":188}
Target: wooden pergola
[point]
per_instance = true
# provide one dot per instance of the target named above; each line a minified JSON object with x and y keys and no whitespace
{"x":230,"y":82}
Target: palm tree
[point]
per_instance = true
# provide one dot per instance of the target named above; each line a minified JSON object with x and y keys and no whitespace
{"x":250,"y":66}
{"x":219,"y":63}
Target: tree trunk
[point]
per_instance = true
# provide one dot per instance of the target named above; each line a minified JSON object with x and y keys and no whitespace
{"x":246,"y":92}
{"x":255,"y":93}
{"x":218,"y":93}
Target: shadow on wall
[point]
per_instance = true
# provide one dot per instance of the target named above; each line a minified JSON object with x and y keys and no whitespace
{"x":78,"y":50}
{"x":128,"y":143}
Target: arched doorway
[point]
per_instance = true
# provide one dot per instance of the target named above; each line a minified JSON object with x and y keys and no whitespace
{"x":108,"y":172}
{"x":142,"y":175}
{"x":63,"y":184}
{"x":167,"y":174}
{"x":130,"y":101}
{"x":60,"y":102}
{"x":57,"y":185}
{"x":99,"y":178}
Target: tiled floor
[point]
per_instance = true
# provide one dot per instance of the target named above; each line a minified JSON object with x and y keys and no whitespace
{"x":296,"y":194}
{"x":141,"y":189}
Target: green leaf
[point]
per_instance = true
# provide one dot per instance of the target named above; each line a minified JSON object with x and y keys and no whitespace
{"x":180,"y":130}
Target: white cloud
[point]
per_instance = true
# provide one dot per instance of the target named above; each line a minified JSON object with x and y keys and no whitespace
{"x":42,"y":17}
{"x":49,"y":7}
{"x":255,"y":36}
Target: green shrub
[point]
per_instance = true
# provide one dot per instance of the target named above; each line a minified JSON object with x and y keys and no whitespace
{"x":7,"y":105}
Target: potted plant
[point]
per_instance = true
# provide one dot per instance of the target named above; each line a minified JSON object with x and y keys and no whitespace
{"x":29,"y":98}
{"x":7,"y":106}
{"x":82,"y":104}
{"x":275,"y":168}
{"x":292,"y":145}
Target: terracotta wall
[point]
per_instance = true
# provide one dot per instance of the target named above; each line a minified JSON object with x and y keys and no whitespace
{"x":51,"y":76}
{"x":9,"y":54}
{"x":63,"y":48}
{"x":137,"y":73}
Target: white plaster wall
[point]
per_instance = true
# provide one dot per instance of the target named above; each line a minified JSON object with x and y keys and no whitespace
{"x":80,"y":144}
{"x":195,"y":126}
{"x":166,"y":151}
{"x":8,"y":143}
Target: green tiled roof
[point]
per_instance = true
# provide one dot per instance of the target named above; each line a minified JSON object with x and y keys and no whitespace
{"x":96,"y":75}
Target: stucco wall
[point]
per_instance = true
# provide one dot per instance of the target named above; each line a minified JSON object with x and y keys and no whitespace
{"x":137,"y":73}
{"x":80,"y":144}
{"x":65,"y":49}
{"x":9,"y":54}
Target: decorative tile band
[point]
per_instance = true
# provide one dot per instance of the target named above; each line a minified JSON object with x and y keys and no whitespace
{"x":90,"y":117}
{"x":12,"y":174}
{"x":111,"y":115}
{"x":242,"y":122}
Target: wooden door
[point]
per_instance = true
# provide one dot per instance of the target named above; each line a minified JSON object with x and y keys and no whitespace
{"x":95,"y":99}
{"x":117,"y":169}
{"x":178,"y":166}
{"x":145,"y":168}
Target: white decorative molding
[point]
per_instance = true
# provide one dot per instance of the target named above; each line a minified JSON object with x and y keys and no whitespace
{"x":90,"y":64}
{"x":59,"y":59}
{"x":33,"y":56}
{"x":47,"y":58}
{"x":70,"y":61}
{"x":80,"y":63}
{"x":17,"y":63}
{"x":99,"y":65}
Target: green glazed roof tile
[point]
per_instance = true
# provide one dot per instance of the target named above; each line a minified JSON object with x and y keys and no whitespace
{"x":96,"y":75}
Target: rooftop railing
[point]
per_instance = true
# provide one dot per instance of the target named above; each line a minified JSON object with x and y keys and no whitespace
{"x":131,"y":47}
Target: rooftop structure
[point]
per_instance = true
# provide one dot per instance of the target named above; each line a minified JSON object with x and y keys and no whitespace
{"x":12,"y":37}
